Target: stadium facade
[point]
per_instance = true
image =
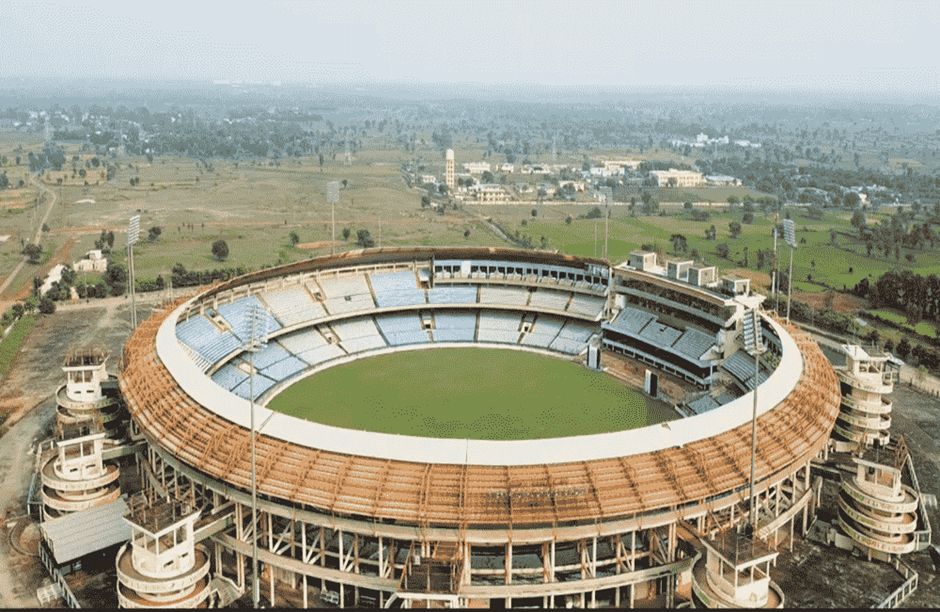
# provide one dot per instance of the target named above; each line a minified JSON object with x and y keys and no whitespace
{"x":635,"y":517}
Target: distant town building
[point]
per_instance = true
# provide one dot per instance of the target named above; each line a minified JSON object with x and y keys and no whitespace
{"x":428,"y":178}
{"x":477,"y":167}
{"x":616,"y":166}
{"x":678,"y":178}
{"x":449,"y":169}
{"x":721,"y":180}
{"x":505,"y":168}
{"x":488,"y":193}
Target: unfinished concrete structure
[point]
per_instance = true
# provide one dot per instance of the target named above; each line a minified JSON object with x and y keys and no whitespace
{"x":89,"y":399}
{"x":865,"y":415}
{"x":369,"y":518}
{"x":75,"y":476}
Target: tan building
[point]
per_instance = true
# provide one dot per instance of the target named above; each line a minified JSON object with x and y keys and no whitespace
{"x":489,"y":194}
{"x":678,"y":178}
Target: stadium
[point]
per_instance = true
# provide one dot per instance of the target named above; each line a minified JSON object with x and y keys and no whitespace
{"x":622,"y":515}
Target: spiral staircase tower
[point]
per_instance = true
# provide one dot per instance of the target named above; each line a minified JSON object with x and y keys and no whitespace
{"x":878,"y":512}
{"x":162,"y":566}
{"x":76,"y":478}
{"x":89,"y":399}
{"x":864,"y":414}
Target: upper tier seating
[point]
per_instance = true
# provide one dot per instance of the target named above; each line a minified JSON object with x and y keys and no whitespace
{"x":397,"y":289}
{"x":205,"y":339}
{"x":552,"y":300}
{"x":345,"y":294}
{"x":357,"y":335}
{"x":284,"y":368}
{"x":293,"y":305}
{"x":585,"y":304}
{"x":500,"y":321}
{"x":258,"y":385}
{"x":236,"y":314}
{"x":503,"y":295}
{"x":452,"y":295}
{"x":402,"y":329}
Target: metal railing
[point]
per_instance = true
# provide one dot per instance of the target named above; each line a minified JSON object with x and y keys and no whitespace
{"x":904,"y":591}
{"x":63,"y":587}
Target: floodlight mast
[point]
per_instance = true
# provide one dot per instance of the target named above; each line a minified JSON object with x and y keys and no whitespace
{"x":255,"y":340}
{"x":789,"y":235}
{"x":133,"y":235}
{"x":751,"y":338}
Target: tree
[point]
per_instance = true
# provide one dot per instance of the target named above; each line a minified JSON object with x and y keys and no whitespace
{"x":832,"y":237}
{"x":154,"y":233}
{"x":487,"y":177}
{"x":748,"y":218}
{"x":535,"y":212}
{"x":851,"y":200}
{"x":364,"y":239}
{"x":294,"y":238}
{"x":466,"y":233}
{"x":687,"y":205}
{"x":903,"y":348}
{"x":734,"y":228}
{"x":858,"y":221}
{"x":594,"y":213}
{"x":568,"y":220}
{"x":32,"y":252}
{"x":46,"y":305}
{"x":220,"y":250}
{"x":346,"y":233}
{"x":679,"y":243}
{"x":711,"y":233}
{"x":733,"y":202}
{"x":722,"y":251}
{"x":815,"y":212}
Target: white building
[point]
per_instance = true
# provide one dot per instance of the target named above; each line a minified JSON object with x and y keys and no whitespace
{"x":722,"y":179}
{"x":449,"y":169}
{"x":508,"y":168}
{"x":682,"y":178}
{"x":93,"y":261}
{"x":488,"y":193}
{"x":477,"y":167}
{"x":428,"y":178}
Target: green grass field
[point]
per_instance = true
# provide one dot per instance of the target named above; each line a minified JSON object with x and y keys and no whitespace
{"x":488,"y":394}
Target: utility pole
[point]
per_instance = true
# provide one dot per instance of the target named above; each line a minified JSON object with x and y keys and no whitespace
{"x":133,"y":235}
{"x":332,"y":197}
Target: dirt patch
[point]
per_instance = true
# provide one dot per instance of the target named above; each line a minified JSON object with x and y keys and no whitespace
{"x":307,"y":246}
{"x":758,"y":279}
{"x":840,"y":302}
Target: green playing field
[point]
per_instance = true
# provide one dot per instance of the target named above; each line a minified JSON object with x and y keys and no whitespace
{"x":477,"y":393}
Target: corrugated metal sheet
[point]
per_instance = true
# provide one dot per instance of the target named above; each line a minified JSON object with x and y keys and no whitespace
{"x":79,"y":534}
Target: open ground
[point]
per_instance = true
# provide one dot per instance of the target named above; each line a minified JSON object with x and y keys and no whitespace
{"x":476,"y":393}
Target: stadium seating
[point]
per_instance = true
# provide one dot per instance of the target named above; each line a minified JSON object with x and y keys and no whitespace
{"x":320,"y":354}
{"x":402,"y":329}
{"x":302,"y":340}
{"x":703,"y":404}
{"x":572,"y":338}
{"x":503,"y":295}
{"x":587,"y":305}
{"x":693,"y":344}
{"x":452,"y":295}
{"x":344,"y":295}
{"x":659,"y":334}
{"x":270,"y":354}
{"x":293,"y":305}
{"x":357,"y":335}
{"x":500,"y":321}
{"x":284,"y":368}
{"x":259,"y":385}
{"x":631,"y":320}
{"x":397,"y":289}
{"x":228,"y":377}
{"x":552,"y":300}
{"x":200,"y":335}
{"x":454,"y":327}
{"x":236,"y":314}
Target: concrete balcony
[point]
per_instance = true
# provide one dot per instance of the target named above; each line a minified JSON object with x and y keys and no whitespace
{"x":900,"y":544}
{"x":69,"y":504}
{"x":891,"y":525}
{"x":856,"y":434}
{"x":879,"y":387}
{"x":52,"y":479}
{"x":883,"y":407}
{"x":907,"y":503}
{"x":194,"y":598}
{"x":712,"y":597}
{"x":877,"y":422}
{"x":63,"y":400}
{"x":130,"y":577}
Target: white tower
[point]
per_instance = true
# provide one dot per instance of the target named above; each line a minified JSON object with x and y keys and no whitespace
{"x":865,"y":415}
{"x":449,"y":169}
{"x":75,"y":477}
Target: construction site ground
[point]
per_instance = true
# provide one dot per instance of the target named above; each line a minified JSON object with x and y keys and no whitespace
{"x":814,"y":575}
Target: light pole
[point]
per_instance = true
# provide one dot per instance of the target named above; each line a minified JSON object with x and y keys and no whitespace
{"x":789,"y":235}
{"x":255,"y":339}
{"x":133,"y":235}
{"x":751,"y":339}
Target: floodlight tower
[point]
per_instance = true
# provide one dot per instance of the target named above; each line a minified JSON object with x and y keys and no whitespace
{"x":255,"y":339}
{"x":753,"y":345}
{"x":789,"y":236}
{"x":133,"y":235}
{"x":332,"y":198}
{"x":347,"y":160}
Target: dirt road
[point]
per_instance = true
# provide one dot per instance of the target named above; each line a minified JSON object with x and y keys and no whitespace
{"x":36,"y":239}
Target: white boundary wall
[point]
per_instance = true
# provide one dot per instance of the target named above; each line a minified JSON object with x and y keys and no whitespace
{"x":233,"y":408}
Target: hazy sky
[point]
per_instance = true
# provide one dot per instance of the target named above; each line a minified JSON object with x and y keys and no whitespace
{"x":887,"y":45}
